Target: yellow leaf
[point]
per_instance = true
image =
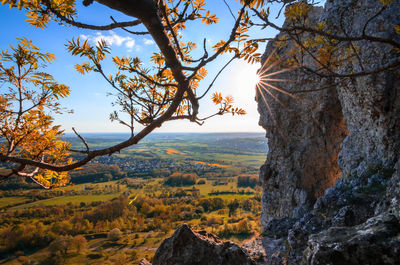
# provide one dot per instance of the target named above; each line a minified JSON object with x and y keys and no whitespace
{"x":386,"y":2}
{"x":217,"y":98}
{"x":397,"y":29}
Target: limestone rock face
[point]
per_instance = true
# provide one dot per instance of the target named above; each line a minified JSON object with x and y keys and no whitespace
{"x":358,"y":128}
{"x":187,"y":247}
{"x":331,"y":182}
{"x":304,"y":131}
{"x":340,"y":126}
{"x":370,"y":104}
{"x":373,"y":242}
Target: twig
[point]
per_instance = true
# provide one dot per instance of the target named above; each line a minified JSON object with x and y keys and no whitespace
{"x":82,"y":139}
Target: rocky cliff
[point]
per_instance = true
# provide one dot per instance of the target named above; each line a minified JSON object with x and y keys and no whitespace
{"x":338,"y":130}
{"x":331,"y":181}
{"x":318,"y":125}
{"x":304,"y":129}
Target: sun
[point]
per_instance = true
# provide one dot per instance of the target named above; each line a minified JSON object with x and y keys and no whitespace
{"x":256,"y":78}
{"x":243,"y":80}
{"x":268,"y":79}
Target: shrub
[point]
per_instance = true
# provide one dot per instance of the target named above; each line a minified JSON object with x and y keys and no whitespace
{"x":212,"y":204}
{"x":244,"y":227}
{"x":80,"y":243}
{"x":60,"y":245}
{"x":114,"y":235}
{"x":179,"y":179}
{"x":201,"y":182}
{"x":247,"y":181}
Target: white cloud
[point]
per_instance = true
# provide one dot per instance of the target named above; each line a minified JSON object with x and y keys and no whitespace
{"x":129,"y":44}
{"x":111,"y":39}
{"x":148,"y":41}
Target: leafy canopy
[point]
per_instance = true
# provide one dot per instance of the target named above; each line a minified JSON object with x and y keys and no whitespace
{"x":27,"y":128}
{"x":150,"y":96}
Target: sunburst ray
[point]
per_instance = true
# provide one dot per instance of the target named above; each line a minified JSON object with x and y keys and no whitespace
{"x":264,"y":86}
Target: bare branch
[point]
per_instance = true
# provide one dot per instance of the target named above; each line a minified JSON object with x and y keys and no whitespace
{"x":87,"y":26}
{"x":129,"y":31}
{"x":301,"y":28}
{"x":230,"y":10}
{"x":82,"y":139}
{"x":216,"y":77}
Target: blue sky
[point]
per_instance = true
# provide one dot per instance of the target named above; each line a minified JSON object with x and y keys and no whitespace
{"x":88,"y":97}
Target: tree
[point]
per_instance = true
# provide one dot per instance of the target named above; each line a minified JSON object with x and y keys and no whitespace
{"x":329,"y":50}
{"x":61,"y":245}
{"x":181,"y":179}
{"x":114,"y":234}
{"x":80,"y":243}
{"x":233,"y":206}
{"x":169,"y":89}
{"x":150,"y":96}
{"x":26,"y":127}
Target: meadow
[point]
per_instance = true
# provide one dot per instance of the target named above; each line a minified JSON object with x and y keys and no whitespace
{"x":129,"y":192}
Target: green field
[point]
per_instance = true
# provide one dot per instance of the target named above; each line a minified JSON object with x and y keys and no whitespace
{"x":127,"y":191}
{"x":7,"y":201}
{"x":67,"y":199}
{"x":156,"y":185}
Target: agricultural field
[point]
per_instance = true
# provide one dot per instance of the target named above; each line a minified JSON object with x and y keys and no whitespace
{"x":119,"y":209}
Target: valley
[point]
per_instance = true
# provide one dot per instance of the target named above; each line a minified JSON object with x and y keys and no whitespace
{"x":209,"y":181}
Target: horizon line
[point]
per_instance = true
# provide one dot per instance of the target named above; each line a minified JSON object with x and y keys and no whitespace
{"x":170,"y":132}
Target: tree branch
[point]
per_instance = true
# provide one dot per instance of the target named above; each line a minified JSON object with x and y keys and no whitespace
{"x":87,"y":26}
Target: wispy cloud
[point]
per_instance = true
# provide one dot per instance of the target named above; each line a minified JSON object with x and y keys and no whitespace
{"x":111,"y":39}
{"x":148,"y":41}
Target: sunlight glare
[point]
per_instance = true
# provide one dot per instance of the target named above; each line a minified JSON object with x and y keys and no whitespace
{"x":263,"y":85}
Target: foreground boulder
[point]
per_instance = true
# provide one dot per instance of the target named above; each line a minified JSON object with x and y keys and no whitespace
{"x":188,"y":247}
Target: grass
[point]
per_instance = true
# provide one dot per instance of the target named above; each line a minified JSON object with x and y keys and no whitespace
{"x":7,"y":201}
{"x":66,"y":199}
{"x":181,"y":151}
{"x":151,"y":186}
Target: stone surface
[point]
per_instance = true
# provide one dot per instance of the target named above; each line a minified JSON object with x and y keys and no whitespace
{"x":304,"y":131}
{"x":267,"y":250}
{"x":187,"y":247}
{"x":370,"y":104}
{"x":376,"y":241}
{"x":342,"y":220}
{"x":331,"y":182}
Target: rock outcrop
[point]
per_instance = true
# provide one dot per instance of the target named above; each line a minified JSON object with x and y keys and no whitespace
{"x":331,"y":182}
{"x":373,"y":242}
{"x":307,"y":123}
{"x":357,"y":220}
{"x":190,"y":247}
{"x":304,"y":131}
{"x":370,"y":104}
